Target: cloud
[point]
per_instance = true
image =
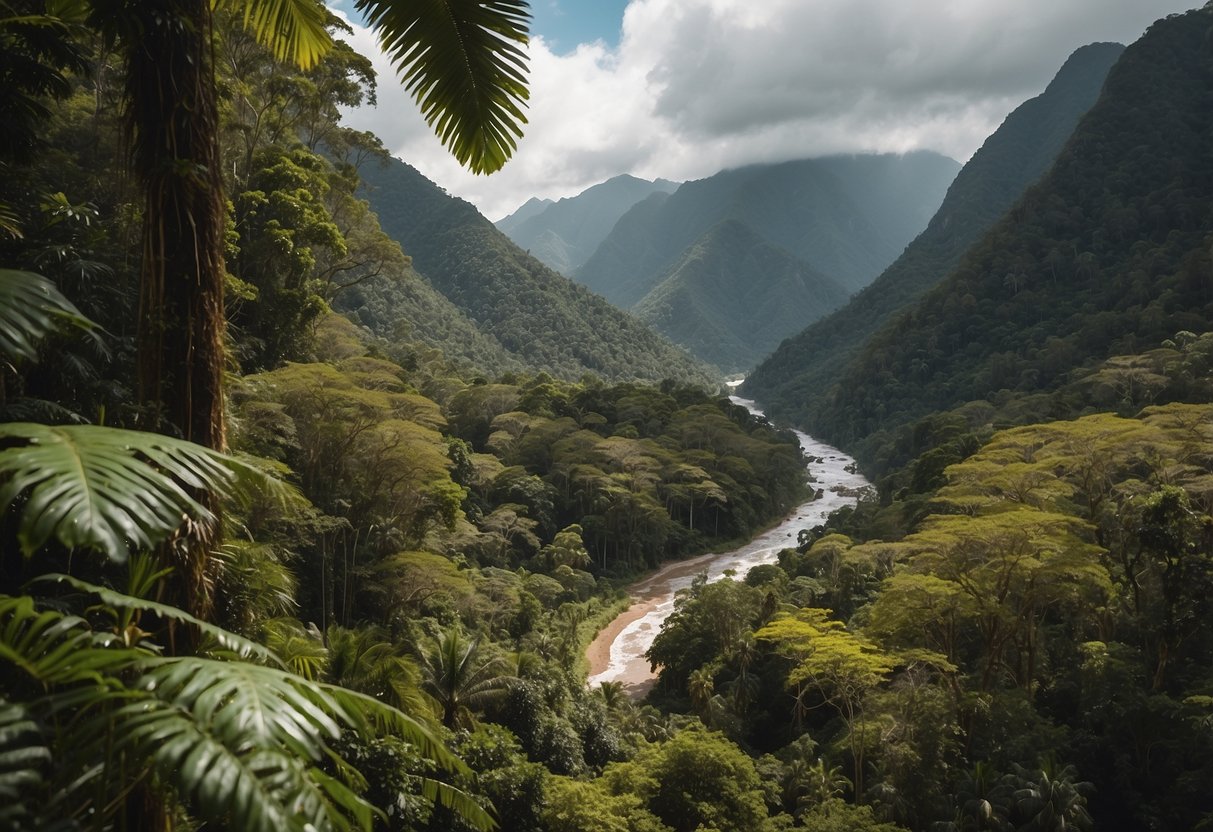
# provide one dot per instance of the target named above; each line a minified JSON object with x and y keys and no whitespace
{"x":697,"y":85}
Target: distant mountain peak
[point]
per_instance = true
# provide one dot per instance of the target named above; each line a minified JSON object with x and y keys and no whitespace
{"x":563,"y":234}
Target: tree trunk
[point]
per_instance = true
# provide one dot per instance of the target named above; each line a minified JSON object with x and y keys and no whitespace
{"x":173,"y":123}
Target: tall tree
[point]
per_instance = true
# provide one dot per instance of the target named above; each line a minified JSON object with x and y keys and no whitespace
{"x":460,"y":59}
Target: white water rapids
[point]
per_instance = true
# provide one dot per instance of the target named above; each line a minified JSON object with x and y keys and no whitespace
{"x":839,"y":487}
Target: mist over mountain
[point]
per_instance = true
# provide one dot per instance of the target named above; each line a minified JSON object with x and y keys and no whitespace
{"x":1012,"y":158}
{"x":563,"y":234}
{"x":1109,"y":254}
{"x":846,"y":216}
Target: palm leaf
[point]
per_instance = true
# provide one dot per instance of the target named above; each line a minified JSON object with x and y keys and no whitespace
{"x":294,"y":30}
{"x":241,"y":718}
{"x":463,"y":63}
{"x":249,"y":788}
{"x":107,"y":489}
{"x":241,"y":744}
{"x":55,"y":649}
{"x":30,"y":309}
{"x":239,"y":645}
{"x":23,"y":758}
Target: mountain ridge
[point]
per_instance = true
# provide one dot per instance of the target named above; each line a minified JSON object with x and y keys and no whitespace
{"x":847,"y":216}
{"x":540,"y":317}
{"x":700,"y":305}
{"x":563,"y":234}
{"x":1016,"y":154}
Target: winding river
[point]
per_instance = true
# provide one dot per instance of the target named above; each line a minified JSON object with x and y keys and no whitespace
{"x":617,"y":652}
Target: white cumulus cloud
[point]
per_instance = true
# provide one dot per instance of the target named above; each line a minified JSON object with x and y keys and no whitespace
{"x":698,"y":85}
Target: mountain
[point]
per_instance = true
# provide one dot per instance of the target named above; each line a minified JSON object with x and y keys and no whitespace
{"x":543,"y":319}
{"x":531,"y":208}
{"x":703,"y":306}
{"x":1109,"y":254}
{"x":848,"y":216}
{"x":563,"y":234}
{"x":1014,"y":156}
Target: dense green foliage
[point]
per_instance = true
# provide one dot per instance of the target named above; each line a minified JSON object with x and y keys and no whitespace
{"x":1017,"y":634}
{"x":543,"y":319}
{"x":846,"y":216}
{"x":732,"y":297}
{"x":1018,"y":153}
{"x":563,"y":234}
{"x":393,"y":587}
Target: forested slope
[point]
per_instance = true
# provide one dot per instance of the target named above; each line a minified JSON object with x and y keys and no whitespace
{"x":1014,"y":156}
{"x":1108,"y":254}
{"x":545,"y":320}
{"x":733,"y":296}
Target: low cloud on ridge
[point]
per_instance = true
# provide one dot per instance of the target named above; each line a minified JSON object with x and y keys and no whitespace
{"x":700,"y":85}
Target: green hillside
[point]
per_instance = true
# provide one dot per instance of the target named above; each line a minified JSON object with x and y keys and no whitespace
{"x":1107,"y":255}
{"x":733,"y":296}
{"x":1016,"y":155}
{"x":848,"y":216}
{"x":403,"y":306}
{"x":543,"y":319}
{"x":563,"y":234}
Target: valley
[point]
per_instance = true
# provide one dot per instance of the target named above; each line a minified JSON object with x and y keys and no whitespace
{"x":617,"y":653}
{"x":329,"y":505}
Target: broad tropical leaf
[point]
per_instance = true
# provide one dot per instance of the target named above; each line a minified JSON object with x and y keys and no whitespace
{"x":30,"y":309}
{"x":107,"y":489}
{"x":294,"y":30}
{"x":52,"y":648}
{"x":225,"y":640}
{"x":463,"y":62}
{"x":242,"y":745}
{"x":23,"y":760}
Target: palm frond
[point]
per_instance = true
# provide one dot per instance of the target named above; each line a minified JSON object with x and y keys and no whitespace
{"x":242,"y":745}
{"x":294,"y":30}
{"x":303,"y":653}
{"x":463,"y":62}
{"x":23,"y":758}
{"x":260,"y":789}
{"x":223,"y":639}
{"x":107,"y":489}
{"x":55,"y":649}
{"x":30,"y":309}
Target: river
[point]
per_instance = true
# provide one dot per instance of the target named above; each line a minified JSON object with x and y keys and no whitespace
{"x":617,"y":652}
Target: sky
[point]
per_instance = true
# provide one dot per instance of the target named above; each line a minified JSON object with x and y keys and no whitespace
{"x":683,"y":88}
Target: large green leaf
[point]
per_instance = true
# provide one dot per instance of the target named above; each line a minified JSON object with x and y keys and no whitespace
{"x":30,"y":309}
{"x":294,"y":30}
{"x":242,"y":745}
{"x":23,"y":758}
{"x":463,"y":62}
{"x":107,"y":489}
{"x":55,"y":649}
{"x":225,"y":639}
{"x":245,"y":741}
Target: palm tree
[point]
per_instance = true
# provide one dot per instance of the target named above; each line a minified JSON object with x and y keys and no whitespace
{"x":983,"y":796}
{"x":701,"y":687}
{"x":1049,"y":799}
{"x":458,"y":680}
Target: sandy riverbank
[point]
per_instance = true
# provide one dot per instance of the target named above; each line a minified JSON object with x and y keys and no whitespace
{"x":646,"y":594}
